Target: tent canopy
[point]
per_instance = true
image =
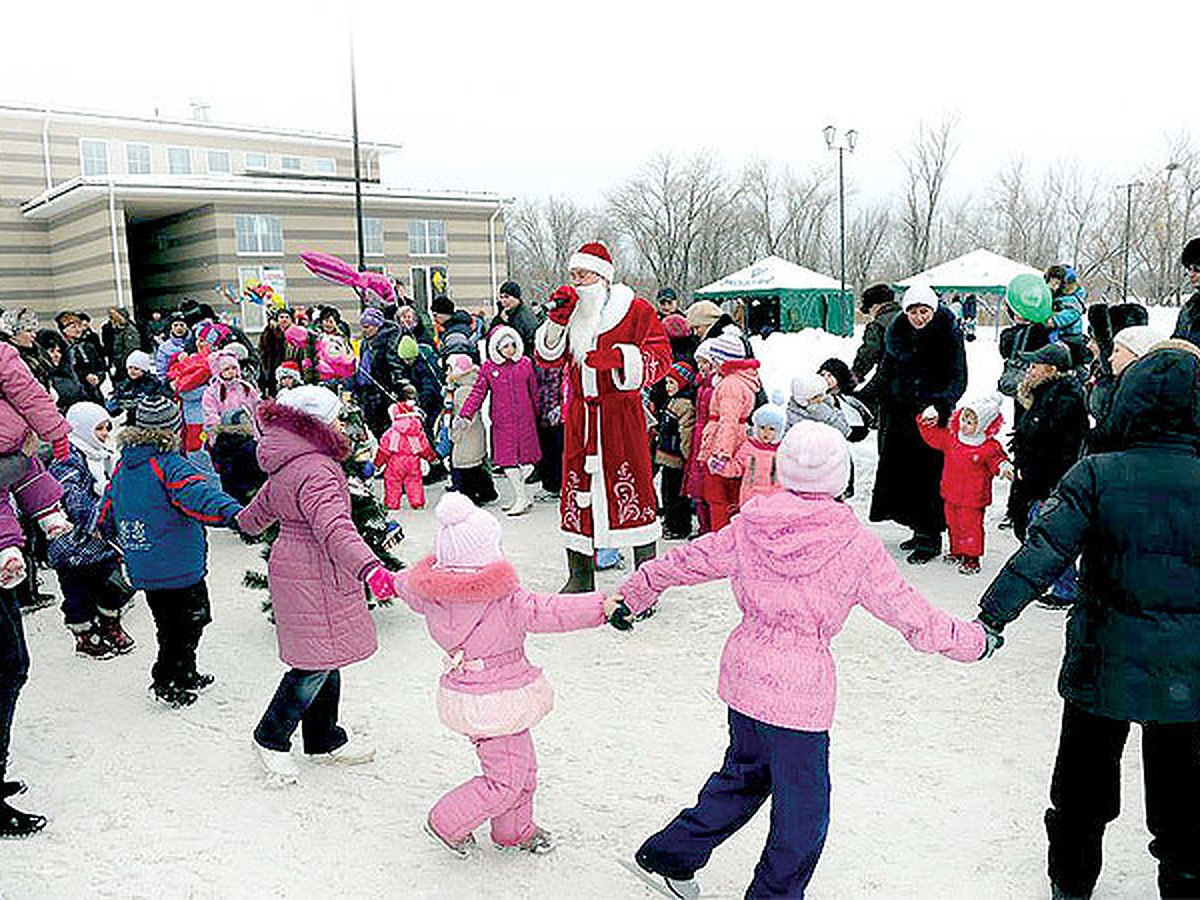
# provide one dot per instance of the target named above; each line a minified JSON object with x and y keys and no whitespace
{"x":980,"y":270}
{"x":807,"y":299}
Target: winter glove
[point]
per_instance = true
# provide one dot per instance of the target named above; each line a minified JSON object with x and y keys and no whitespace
{"x":61,"y":448}
{"x":605,"y":360}
{"x":424,"y":467}
{"x":12,"y":567}
{"x":621,"y":618}
{"x":381,"y":583}
{"x":716,"y":464}
{"x":994,"y":640}
{"x":1006,"y":470}
{"x":368,"y":469}
{"x":458,"y":423}
{"x":564,"y":300}
{"x":930,"y":415}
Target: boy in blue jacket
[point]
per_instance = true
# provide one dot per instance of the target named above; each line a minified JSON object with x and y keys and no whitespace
{"x":157,"y":505}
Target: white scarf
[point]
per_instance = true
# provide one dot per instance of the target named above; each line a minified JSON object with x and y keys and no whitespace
{"x":99,"y":461}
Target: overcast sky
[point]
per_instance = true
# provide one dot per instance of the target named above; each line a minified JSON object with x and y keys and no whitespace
{"x":524,"y":98}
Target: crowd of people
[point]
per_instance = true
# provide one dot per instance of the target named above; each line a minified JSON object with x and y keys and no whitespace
{"x":641,"y":421}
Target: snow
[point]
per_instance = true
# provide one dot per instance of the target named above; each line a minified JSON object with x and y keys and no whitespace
{"x":940,"y":770}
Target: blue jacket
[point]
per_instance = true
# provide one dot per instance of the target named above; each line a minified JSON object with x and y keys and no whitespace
{"x":82,"y":545}
{"x":157,"y":505}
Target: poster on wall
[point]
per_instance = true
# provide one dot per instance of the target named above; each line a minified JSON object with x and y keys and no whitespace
{"x":437,"y":280}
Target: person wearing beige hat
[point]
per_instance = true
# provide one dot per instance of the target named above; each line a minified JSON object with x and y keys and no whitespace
{"x":701,"y":316}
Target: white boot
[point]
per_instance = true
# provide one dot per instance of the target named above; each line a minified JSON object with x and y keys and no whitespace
{"x":280,"y":766}
{"x":516,"y":477}
{"x":355,"y":751}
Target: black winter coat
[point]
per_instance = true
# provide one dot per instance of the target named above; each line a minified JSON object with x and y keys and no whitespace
{"x":874,"y":333}
{"x":919,"y":368}
{"x":1187,"y":326}
{"x":1049,"y":438}
{"x":1133,"y":634}
{"x":386,"y":371}
{"x":522,"y":318}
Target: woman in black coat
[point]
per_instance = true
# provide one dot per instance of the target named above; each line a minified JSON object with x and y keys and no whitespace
{"x":923,"y":372}
{"x":1133,"y":635}
{"x":66,"y":384}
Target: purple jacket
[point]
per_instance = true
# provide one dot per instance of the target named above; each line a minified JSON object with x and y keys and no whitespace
{"x":24,"y":405}
{"x":514,"y":402}
{"x":318,"y":562}
{"x":799,"y":563}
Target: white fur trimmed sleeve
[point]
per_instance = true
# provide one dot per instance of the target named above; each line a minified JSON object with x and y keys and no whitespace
{"x":633,"y":369}
{"x":550,"y":341}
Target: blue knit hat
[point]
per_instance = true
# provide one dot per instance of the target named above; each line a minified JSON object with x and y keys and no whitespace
{"x":771,"y":416}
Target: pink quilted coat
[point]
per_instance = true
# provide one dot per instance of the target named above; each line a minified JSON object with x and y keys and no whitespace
{"x":513,"y":387}
{"x":25,"y":406}
{"x":222,"y":396}
{"x":730,"y":408}
{"x":318,"y":562}
{"x":480,"y":618}
{"x":755,"y":463}
{"x":798,"y":564}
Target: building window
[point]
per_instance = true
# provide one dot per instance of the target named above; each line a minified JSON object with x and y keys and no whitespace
{"x":93,"y":157}
{"x":323,"y":166}
{"x":137,"y":159}
{"x":420,"y":287}
{"x":179,"y":160}
{"x":373,"y":237}
{"x":289,"y":163}
{"x":256,"y":161}
{"x":258,"y":234}
{"x":218,"y":162}
{"x":254,"y":315}
{"x":427,"y":237}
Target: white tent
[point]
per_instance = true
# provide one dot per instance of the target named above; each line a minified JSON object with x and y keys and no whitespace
{"x":780,"y":294}
{"x":771,"y":273}
{"x":981,"y":271}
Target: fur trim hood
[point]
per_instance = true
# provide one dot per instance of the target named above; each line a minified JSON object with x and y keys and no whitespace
{"x":494,"y":581}
{"x":133,"y":436}
{"x":493,"y":344}
{"x":288,"y":433}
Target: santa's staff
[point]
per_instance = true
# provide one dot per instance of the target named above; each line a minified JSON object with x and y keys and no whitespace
{"x":611,"y":344}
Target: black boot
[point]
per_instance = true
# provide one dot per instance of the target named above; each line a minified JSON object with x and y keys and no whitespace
{"x":16,"y":824}
{"x":581,"y":573}
{"x":644,"y":553}
{"x":926,"y":547}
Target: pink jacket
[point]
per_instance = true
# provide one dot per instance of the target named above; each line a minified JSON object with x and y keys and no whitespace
{"x":513,"y":387}
{"x":480,"y":618}
{"x":731,"y":406}
{"x":318,"y":562}
{"x":221,"y":396}
{"x":25,"y":405}
{"x":404,"y":441}
{"x":695,"y":470}
{"x":798,"y":564}
{"x":755,"y":463}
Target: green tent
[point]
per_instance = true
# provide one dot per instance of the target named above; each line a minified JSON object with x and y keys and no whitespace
{"x":786,"y":296}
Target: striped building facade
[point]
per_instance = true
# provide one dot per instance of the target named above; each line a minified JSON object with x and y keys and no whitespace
{"x":99,"y":211}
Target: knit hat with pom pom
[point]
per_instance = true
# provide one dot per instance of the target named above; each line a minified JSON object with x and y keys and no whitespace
{"x":466,"y":536}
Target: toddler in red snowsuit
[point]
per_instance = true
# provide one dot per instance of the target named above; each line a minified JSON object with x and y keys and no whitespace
{"x":401,"y":450}
{"x":973,"y":457}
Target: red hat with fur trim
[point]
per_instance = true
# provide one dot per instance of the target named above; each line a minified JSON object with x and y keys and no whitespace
{"x":593,"y":257}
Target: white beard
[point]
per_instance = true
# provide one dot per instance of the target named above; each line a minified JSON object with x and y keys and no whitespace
{"x":584,"y":325}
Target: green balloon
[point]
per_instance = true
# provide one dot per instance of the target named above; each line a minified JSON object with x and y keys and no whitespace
{"x":1029,"y":297}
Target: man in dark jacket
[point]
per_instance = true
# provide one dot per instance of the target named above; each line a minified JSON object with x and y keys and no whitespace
{"x":1133,"y":636}
{"x":878,"y":302}
{"x":517,"y":314}
{"x":451,"y":320}
{"x":380,"y":370}
{"x":1187,"y":326}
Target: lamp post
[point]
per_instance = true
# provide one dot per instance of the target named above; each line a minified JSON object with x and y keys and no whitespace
{"x":358,"y":206}
{"x":1172,"y":257}
{"x":846,"y":143}
{"x":1128,"y":188}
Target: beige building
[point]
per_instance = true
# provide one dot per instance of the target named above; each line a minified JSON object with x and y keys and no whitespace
{"x":99,"y":210}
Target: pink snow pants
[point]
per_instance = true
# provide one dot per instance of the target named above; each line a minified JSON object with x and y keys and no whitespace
{"x":403,"y":476}
{"x":503,"y":793}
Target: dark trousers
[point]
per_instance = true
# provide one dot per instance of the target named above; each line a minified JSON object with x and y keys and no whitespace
{"x":180,"y":615}
{"x":310,"y":700}
{"x":550,"y":440}
{"x":86,"y":590}
{"x":475,"y":482}
{"x":1085,"y":794}
{"x":14,"y":667}
{"x":677,"y":509}
{"x":763,"y":761}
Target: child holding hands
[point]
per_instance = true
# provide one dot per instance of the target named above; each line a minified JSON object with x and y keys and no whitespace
{"x":799,"y":562}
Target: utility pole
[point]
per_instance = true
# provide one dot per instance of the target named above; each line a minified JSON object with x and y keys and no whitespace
{"x":358,"y":207}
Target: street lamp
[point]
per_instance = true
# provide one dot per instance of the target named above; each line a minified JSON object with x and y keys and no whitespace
{"x":1128,"y":188}
{"x":847,"y":142}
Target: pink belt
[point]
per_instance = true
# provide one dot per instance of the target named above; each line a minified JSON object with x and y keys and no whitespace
{"x":456,"y":663}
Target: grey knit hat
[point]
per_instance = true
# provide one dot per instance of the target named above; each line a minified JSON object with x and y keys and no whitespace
{"x":158,"y":412}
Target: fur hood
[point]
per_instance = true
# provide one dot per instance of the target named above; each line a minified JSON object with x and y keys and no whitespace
{"x":1029,"y":384}
{"x":133,"y":436}
{"x":288,"y":433}
{"x":493,"y":344}
{"x":494,"y":581}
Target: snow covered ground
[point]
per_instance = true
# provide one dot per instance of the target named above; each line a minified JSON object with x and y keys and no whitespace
{"x":940,"y":770}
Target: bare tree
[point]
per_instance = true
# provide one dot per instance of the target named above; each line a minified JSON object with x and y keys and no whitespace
{"x":865,"y":241}
{"x":542,"y":235}
{"x":926,"y":165}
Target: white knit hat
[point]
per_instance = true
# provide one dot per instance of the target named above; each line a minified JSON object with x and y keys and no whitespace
{"x":813,"y":458}
{"x":1138,"y":339}
{"x":808,"y":385}
{"x":319,"y":402}
{"x":139,"y":359}
{"x":466,"y":536}
{"x":919,"y":294}
{"x":83,"y":417}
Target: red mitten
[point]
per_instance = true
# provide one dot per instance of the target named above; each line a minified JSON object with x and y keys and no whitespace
{"x":61,"y":448}
{"x":563,"y":302}
{"x":381,"y":583}
{"x":603,"y":360}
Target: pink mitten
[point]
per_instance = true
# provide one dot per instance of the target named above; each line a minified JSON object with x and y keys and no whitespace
{"x":381,"y":583}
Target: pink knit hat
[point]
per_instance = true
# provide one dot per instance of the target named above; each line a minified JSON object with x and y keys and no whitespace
{"x":813,"y":458}
{"x":466,"y":536}
{"x":459,"y":363}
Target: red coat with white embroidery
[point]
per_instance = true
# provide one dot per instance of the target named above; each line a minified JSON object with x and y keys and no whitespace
{"x":608,"y":497}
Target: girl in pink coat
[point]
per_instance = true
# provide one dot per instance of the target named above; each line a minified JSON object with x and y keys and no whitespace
{"x":507,"y":374}
{"x":401,"y":449}
{"x":477,"y":611}
{"x":227,"y":391}
{"x":755,"y":460}
{"x":725,"y":430}
{"x":799,"y":562}
{"x":694,"y":470}
{"x":316,"y":574}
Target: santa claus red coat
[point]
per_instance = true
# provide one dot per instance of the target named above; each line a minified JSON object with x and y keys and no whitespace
{"x":608,"y":497}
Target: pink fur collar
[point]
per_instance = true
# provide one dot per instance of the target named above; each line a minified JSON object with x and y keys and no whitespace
{"x":493,"y":582}
{"x":316,"y":432}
